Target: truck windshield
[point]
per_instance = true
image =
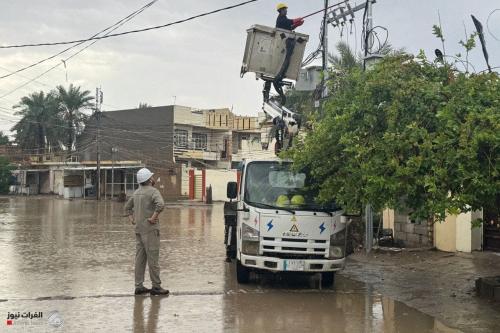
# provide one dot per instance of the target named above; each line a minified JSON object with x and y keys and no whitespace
{"x":275,"y":185}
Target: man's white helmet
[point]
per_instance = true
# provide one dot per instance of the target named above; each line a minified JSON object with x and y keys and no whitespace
{"x":143,"y":175}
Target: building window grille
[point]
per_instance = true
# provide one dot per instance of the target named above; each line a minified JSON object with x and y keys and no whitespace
{"x":181,"y":138}
{"x":200,"y":141}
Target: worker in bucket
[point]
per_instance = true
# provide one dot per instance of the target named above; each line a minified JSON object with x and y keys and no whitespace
{"x":143,"y":209}
{"x":283,"y":22}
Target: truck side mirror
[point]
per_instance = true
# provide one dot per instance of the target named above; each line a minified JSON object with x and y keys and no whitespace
{"x":345,"y":219}
{"x":232,"y":190}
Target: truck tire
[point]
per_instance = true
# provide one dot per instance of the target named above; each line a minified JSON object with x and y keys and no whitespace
{"x":242,"y":273}
{"x":327,"y":279}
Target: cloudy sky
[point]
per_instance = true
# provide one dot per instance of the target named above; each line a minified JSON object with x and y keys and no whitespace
{"x":198,"y":62}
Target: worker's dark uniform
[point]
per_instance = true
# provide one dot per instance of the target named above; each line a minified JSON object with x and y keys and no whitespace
{"x":283,"y":22}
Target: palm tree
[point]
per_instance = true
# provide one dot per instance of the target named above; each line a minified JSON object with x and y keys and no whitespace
{"x":346,"y":59}
{"x":72,"y":101}
{"x":39,"y":126}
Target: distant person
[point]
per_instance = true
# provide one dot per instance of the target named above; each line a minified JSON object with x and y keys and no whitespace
{"x":143,"y":209}
{"x":283,"y":22}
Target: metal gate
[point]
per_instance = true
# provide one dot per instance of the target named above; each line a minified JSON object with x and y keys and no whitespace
{"x":198,"y":186}
{"x":491,"y":227}
{"x":492,"y":235}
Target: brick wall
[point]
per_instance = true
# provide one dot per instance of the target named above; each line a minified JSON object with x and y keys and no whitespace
{"x":412,"y":234}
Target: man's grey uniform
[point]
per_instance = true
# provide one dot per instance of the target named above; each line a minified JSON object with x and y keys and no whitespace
{"x":145,"y":201}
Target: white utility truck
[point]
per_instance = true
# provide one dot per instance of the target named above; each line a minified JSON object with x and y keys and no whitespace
{"x":275,"y":224}
{"x":273,"y":221}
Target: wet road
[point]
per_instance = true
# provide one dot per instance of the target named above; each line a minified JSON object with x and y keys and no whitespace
{"x":76,"y":257}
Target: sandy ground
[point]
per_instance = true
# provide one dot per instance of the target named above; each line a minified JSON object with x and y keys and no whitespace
{"x":437,"y":283}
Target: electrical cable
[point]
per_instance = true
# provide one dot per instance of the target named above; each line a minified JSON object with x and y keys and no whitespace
{"x":65,"y":60}
{"x":135,"y":13}
{"x":463,"y":62}
{"x":355,"y":38}
{"x":488,"y":24}
{"x":136,"y":30}
{"x":40,"y":83}
{"x":365,"y":35}
{"x":315,"y":54}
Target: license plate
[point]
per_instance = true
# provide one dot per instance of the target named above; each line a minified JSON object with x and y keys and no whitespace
{"x":294,"y":265}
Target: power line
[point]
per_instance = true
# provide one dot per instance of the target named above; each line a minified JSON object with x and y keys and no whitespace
{"x":133,"y":31}
{"x":8,"y":70}
{"x":68,"y":58}
{"x":128,"y":17}
{"x":488,"y":24}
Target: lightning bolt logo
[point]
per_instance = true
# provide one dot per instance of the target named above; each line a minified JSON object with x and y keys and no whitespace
{"x":270,"y":225}
{"x":322,"y":228}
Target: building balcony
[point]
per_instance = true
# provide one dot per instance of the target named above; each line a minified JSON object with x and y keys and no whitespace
{"x":196,"y":154}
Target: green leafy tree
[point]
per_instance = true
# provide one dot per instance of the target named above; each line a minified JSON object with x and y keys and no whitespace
{"x":5,"y":175}
{"x":72,"y":102}
{"x":4,"y":139}
{"x":343,"y":61}
{"x":409,"y":133}
{"x":39,"y":126}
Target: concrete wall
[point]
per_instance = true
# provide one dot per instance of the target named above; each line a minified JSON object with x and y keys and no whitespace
{"x":407,"y":233}
{"x":168,"y":181}
{"x":456,"y":234}
{"x":477,"y":233}
{"x":219,"y":179}
{"x":388,"y":219}
{"x":445,"y":234}
{"x":468,"y":239}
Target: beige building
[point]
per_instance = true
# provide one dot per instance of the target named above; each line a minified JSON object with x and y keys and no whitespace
{"x":216,"y":138}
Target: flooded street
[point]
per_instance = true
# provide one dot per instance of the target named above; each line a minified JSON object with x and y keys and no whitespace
{"x":77,"y":258}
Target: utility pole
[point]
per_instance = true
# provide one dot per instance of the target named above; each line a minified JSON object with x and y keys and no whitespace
{"x":338,"y":17}
{"x":368,"y":46}
{"x":98,"y":98}
{"x":369,"y":26}
{"x":113,"y":151}
{"x":324,"y":42}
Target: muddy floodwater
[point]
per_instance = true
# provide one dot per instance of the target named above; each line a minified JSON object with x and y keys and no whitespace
{"x":77,"y":258}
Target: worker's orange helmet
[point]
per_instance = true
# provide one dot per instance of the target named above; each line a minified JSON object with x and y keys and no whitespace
{"x":281,"y":6}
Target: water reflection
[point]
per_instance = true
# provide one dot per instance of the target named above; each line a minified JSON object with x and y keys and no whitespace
{"x":146,"y":318}
{"x":83,"y":248}
{"x":324,"y":312}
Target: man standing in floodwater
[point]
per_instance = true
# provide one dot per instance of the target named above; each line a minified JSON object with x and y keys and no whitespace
{"x":143,"y":209}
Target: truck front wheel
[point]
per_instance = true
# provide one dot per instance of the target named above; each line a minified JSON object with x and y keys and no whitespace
{"x":242,"y":273}
{"x":327,"y":279}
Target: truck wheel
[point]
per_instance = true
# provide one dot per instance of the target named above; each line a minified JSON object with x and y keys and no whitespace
{"x":242,"y":273}
{"x":327,"y":279}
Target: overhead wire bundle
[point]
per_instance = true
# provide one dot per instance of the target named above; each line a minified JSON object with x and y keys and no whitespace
{"x":366,"y":33}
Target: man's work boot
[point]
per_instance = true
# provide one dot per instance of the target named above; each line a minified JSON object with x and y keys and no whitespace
{"x":141,"y":290}
{"x":159,"y":291}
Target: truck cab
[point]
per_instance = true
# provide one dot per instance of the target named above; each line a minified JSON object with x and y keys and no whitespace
{"x":275,"y":223}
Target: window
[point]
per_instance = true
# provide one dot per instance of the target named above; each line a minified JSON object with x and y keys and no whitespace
{"x":240,"y":141}
{"x":276,"y":184}
{"x":200,"y":141}
{"x":180,"y":138}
